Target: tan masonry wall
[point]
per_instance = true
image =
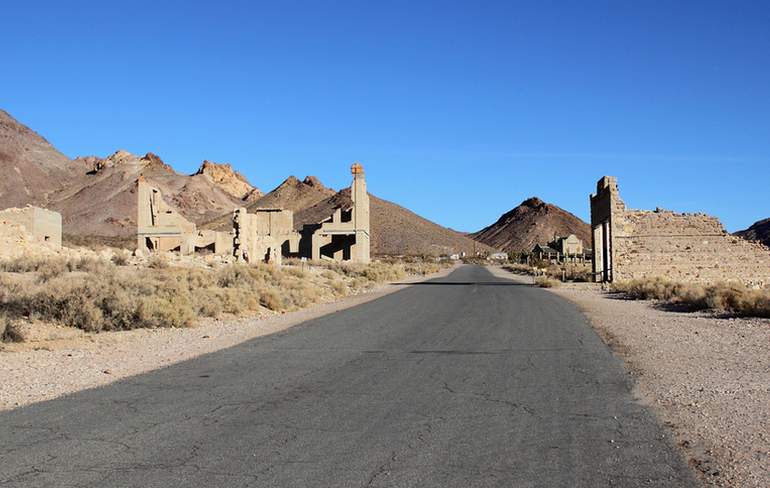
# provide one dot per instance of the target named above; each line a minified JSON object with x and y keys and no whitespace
{"x":634,"y":244}
{"x":685,"y":247}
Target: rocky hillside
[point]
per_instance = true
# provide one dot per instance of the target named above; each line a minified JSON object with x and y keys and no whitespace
{"x":295,"y":195}
{"x":32,"y":169}
{"x":760,"y":231}
{"x":532,"y":222}
{"x":96,"y":195}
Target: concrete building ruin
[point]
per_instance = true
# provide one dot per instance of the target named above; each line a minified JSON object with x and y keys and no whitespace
{"x":634,"y":244}
{"x":161,"y":228}
{"x":344,"y":235}
{"x":266,"y":235}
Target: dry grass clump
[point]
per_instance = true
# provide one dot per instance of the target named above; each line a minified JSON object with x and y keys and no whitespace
{"x":96,"y":295}
{"x":566,"y":272}
{"x":546,"y":282}
{"x":734,"y":298}
{"x":522,"y":269}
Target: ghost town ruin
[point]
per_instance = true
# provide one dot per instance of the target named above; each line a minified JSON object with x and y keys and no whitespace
{"x":267,"y":235}
{"x":161,"y":228}
{"x":634,"y":244}
{"x":562,"y":249}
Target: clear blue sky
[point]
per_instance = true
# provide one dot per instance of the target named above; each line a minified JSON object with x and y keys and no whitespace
{"x":458,"y":110}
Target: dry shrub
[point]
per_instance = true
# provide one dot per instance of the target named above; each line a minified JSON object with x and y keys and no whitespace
{"x":157,"y":261}
{"x":733,"y":298}
{"x":102,"y":296}
{"x":524,"y":269}
{"x":545,"y":282}
{"x":338,"y":287}
{"x":120,"y":260}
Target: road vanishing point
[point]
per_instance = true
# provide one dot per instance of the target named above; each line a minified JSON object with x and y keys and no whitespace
{"x":464,"y":381}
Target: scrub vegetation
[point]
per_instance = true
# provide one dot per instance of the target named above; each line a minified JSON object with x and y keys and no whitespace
{"x":100,"y":295}
{"x":733,"y":298}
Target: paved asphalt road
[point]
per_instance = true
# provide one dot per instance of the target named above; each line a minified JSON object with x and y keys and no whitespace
{"x":466,"y":381}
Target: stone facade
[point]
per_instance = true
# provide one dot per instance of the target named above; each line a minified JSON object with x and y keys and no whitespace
{"x":634,"y":244}
{"x":266,"y":235}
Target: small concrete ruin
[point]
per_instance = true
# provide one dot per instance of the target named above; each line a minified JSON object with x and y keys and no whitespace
{"x":42,"y":224}
{"x":562,"y":249}
{"x":29,"y":229}
{"x":267,"y":235}
{"x":635,"y":244}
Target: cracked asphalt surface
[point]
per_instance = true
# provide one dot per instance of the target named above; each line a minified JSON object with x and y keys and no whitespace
{"x":464,"y":381}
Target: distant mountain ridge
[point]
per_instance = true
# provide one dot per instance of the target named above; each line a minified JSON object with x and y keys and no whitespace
{"x":532,"y":222}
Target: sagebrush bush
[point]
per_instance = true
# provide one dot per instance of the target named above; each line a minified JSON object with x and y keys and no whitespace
{"x":96,"y":295}
{"x":733,"y":298}
{"x":546,"y":282}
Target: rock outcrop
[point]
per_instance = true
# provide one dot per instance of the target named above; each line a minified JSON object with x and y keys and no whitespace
{"x":229,"y":180}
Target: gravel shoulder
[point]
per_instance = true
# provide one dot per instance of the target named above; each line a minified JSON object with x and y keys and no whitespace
{"x":39,"y":371}
{"x":707,"y":378}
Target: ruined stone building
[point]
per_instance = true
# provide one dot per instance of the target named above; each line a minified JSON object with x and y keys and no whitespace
{"x":568,"y":245}
{"x":561,"y":249}
{"x":29,"y":230}
{"x":343,"y":235}
{"x":632,"y":244}
{"x":161,"y":228}
{"x":266,"y":235}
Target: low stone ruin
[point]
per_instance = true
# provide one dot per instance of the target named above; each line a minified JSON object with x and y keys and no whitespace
{"x":29,"y":230}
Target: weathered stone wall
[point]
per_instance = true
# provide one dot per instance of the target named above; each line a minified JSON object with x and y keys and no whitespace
{"x":676,"y":246}
{"x":685,"y":247}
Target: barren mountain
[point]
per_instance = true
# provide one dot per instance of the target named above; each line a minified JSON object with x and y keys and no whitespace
{"x":394,"y":229}
{"x":759,"y":231}
{"x":532,"y":222}
{"x":295,"y":195}
{"x":32,"y":169}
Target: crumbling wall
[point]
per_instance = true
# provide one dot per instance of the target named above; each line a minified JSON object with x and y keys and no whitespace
{"x":266,"y":235}
{"x":677,"y":246}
